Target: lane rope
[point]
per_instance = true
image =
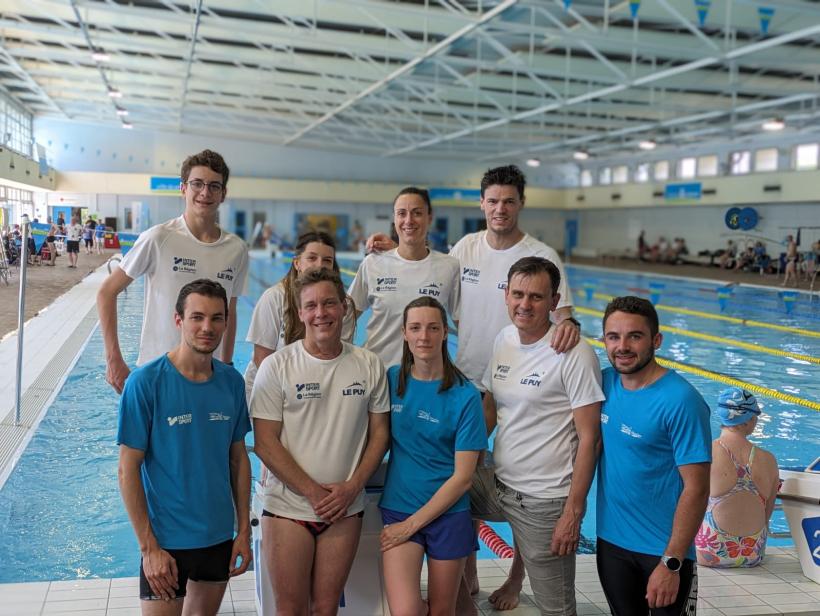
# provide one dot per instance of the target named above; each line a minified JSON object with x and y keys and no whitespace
{"x":722,"y":317}
{"x":728,"y":380}
{"x":720,"y":340}
{"x":498,"y":546}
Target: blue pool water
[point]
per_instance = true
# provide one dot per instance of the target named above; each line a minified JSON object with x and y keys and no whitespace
{"x":60,"y":512}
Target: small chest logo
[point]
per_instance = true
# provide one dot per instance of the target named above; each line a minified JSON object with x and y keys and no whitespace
{"x":386,"y":283}
{"x":354,"y":389}
{"x":180,"y":420}
{"x":226,"y":274}
{"x":426,"y":416}
{"x":629,"y":431}
{"x":604,"y":418}
{"x":218,"y":417}
{"x":432,"y":289}
{"x":502,"y":371}
{"x":533,"y":380}
{"x":184,"y":265}
{"x":308,"y":391}
{"x":396,"y":408}
{"x":502,"y":285}
{"x":470,"y":275}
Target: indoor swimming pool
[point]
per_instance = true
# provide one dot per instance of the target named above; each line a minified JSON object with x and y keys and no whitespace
{"x":60,"y":512}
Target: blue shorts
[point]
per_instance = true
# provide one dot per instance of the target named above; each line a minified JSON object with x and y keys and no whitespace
{"x":449,"y":537}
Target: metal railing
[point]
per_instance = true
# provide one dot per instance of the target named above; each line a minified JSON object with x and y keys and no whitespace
{"x":21,"y":317}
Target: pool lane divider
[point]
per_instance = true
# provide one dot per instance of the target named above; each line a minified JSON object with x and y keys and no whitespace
{"x":491,"y":539}
{"x":728,"y":380}
{"x":720,"y":340}
{"x":721,"y":317}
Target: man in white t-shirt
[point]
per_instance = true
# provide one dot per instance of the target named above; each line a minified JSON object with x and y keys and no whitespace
{"x":73,"y":235}
{"x":546,"y":407}
{"x":171,"y":255}
{"x":320,"y":411}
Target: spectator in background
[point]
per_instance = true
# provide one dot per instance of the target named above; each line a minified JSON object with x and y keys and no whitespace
{"x":791,"y":261}
{"x":51,"y":242}
{"x":743,"y":488}
{"x":727,"y":259}
{"x":643,"y":249}
{"x":72,"y":243}
{"x":88,"y":235}
{"x":99,"y":238}
{"x":746,"y":259}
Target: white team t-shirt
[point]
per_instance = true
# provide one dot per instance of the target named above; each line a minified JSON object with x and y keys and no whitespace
{"x":170,"y":257}
{"x":324,"y":407}
{"x":483,"y":280}
{"x":387,"y":283}
{"x":535,"y":390}
{"x":267,"y":326}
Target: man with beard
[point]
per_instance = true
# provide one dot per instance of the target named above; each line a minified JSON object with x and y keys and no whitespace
{"x":653,"y":475}
{"x":183,"y":466}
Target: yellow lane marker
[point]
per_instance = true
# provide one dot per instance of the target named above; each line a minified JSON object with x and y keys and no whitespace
{"x":721,"y":317}
{"x":727,"y":341}
{"x":728,"y":380}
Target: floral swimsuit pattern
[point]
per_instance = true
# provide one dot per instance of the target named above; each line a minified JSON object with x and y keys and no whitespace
{"x":717,"y":548}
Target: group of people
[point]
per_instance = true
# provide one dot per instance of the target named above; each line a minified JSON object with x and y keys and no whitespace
{"x":91,"y":234}
{"x":325,"y":412}
{"x":662,"y":251}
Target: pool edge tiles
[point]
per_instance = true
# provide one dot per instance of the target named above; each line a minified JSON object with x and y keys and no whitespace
{"x":46,"y":365}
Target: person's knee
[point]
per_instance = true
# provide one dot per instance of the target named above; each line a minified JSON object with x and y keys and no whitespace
{"x":325,"y":606}
{"x":410,"y":610}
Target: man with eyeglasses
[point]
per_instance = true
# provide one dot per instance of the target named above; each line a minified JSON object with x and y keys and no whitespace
{"x":170,"y":255}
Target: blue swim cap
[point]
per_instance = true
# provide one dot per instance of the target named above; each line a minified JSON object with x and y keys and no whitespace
{"x":736,"y":406}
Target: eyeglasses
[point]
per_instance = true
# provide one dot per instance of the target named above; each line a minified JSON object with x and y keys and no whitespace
{"x":199,"y":186}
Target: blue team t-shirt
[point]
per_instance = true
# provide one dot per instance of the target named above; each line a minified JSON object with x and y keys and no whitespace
{"x":647,"y":434}
{"x":427,"y":428}
{"x":186,"y":430}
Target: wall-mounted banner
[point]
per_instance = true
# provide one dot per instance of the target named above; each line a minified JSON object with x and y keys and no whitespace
{"x":454,"y":196}
{"x":702,"y":7}
{"x":765,"y":13}
{"x":165,"y":185}
{"x":683,"y":192}
{"x":127,"y":241}
{"x":634,"y":5}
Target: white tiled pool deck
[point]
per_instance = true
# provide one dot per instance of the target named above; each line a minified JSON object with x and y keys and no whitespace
{"x":776,"y":587}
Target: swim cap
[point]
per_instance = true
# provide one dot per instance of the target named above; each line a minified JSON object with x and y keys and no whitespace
{"x":736,"y":406}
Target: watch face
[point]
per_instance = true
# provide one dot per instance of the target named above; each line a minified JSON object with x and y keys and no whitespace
{"x":672,"y":563}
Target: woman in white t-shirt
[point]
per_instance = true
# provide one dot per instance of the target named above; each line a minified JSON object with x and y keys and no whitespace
{"x":275,"y":321}
{"x":386,"y":281}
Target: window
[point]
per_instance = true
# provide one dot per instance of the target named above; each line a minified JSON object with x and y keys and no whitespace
{"x":662,"y":170}
{"x":586,"y":177}
{"x":687,"y":168}
{"x":708,"y":165}
{"x":642,"y":173}
{"x":620,"y":175}
{"x":605,"y":175}
{"x":741,"y":162}
{"x":15,"y":127}
{"x":766,"y":160}
{"x":806,"y":156}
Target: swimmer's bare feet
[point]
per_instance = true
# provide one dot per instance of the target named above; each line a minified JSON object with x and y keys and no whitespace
{"x":507,"y":596}
{"x":465,"y":606}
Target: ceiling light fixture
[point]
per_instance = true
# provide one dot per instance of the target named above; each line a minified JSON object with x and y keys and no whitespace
{"x":127,"y":125}
{"x":580,"y":155}
{"x":100,"y":56}
{"x":774,"y":124}
{"x":533,"y":162}
{"x":113,"y":93}
{"x":647,"y":145}
{"x":122,"y":112}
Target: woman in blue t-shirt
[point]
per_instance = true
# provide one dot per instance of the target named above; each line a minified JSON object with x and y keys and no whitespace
{"x":437,"y":432}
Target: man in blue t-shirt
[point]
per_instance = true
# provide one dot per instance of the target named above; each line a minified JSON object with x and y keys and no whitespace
{"x":184,"y":470}
{"x":653,"y":475}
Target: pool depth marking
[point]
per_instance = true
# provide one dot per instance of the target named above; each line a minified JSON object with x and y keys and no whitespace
{"x":721,"y":317}
{"x":727,"y":341}
{"x":728,"y":380}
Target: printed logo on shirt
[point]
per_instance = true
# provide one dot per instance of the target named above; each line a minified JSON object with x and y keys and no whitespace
{"x":386,"y":283}
{"x":533,"y":379}
{"x":184,"y":265}
{"x":308,"y":391}
{"x":604,"y":418}
{"x":354,"y":389}
{"x":180,"y":419}
{"x":432,"y":289}
{"x":426,"y":416}
{"x":470,"y":275}
{"x":396,"y":408}
{"x":629,"y":431}
{"x":502,"y":285}
{"x":501,"y":373}
{"x":218,"y":417}
{"x":226,"y":274}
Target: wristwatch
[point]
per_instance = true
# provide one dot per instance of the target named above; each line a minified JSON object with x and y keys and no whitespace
{"x":574,"y":321}
{"x":672,"y":563}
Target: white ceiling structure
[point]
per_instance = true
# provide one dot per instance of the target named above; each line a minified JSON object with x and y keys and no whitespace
{"x":467,"y":79}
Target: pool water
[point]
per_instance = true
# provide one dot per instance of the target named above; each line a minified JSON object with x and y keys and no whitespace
{"x":61,"y":516}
